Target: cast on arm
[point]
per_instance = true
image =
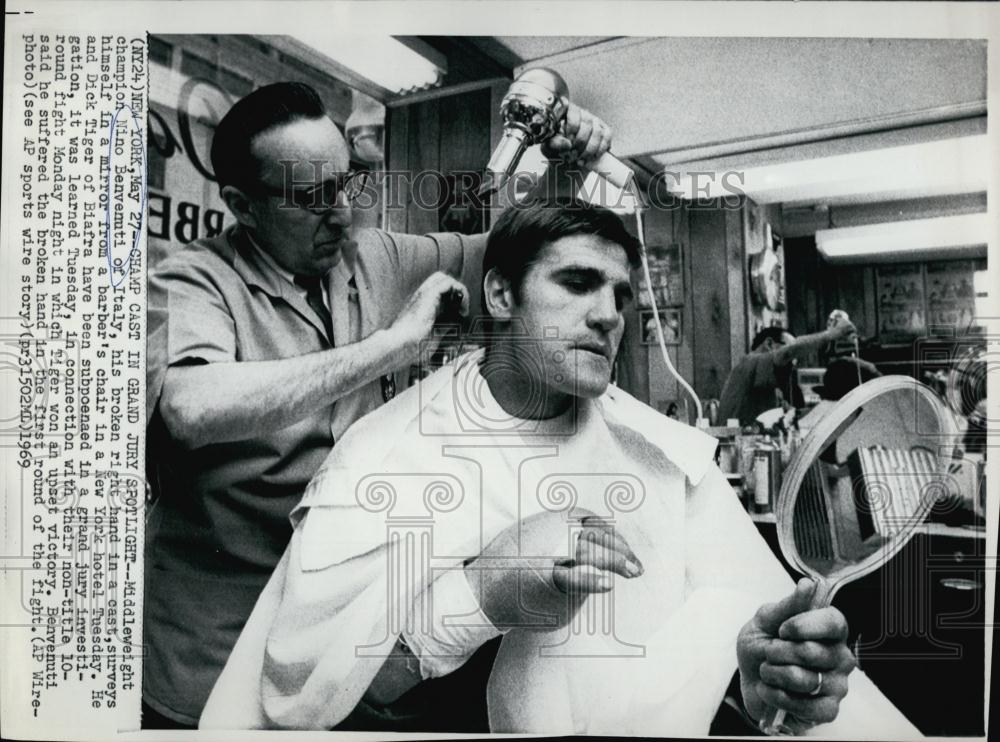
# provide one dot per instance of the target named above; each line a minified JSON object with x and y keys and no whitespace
{"x":499,"y":591}
{"x":455,"y":628}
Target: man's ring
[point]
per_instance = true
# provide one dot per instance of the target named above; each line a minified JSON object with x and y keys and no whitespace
{"x":819,"y":685}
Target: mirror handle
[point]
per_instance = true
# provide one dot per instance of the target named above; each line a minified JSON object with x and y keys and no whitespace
{"x":773,"y":724}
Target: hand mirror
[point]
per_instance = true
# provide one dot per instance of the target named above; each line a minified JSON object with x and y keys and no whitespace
{"x":861,"y":482}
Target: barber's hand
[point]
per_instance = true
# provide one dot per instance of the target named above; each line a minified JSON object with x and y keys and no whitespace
{"x":843,"y":328}
{"x":412,"y":329}
{"x":519,"y":587}
{"x":781,"y":652}
{"x":583,"y":140}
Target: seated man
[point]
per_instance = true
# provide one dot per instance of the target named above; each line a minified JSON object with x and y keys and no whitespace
{"x":516,"y":492}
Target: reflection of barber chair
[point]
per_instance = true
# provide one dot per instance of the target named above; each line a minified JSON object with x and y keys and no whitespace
{"x":412,"y":553}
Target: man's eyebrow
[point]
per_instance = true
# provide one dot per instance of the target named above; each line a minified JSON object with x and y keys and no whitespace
{"x":581,"y":271}
{"x":584,"y":271}
{"x":624,"y":287}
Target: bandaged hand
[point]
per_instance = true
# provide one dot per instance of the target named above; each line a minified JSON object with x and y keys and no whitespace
{"x":524,"y":579}
{"x":795,"y":658}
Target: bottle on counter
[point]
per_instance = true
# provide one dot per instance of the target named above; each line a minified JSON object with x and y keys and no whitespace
{"x":728,"y":453}
{"x":766,"y":476}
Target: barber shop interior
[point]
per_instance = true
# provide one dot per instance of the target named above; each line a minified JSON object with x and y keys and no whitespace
{"x":806,"y":293}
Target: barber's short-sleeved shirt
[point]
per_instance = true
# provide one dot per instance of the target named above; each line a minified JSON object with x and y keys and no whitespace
{"x":749,"y":390}
{"x":220,"y":524}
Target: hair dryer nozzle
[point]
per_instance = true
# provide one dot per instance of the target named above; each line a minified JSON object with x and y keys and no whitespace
{"x":533,"y":110}
{"x":504,"y":160}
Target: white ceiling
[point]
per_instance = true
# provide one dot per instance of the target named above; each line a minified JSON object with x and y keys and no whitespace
{"x":531,"y":48}
{"x":683,"y":95}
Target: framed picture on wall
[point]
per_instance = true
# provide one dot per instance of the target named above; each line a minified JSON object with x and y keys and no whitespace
{"x":902,"y":313}
{"x":670,"y":320}
{"x":666,"y":271}
{"x":951,"y":295}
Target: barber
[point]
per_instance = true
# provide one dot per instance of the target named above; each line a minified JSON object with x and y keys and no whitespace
{"x":265,"y":343}
{"x":766,"y":378}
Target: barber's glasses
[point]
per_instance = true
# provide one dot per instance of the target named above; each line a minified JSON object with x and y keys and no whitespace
{"x":324,"y":196}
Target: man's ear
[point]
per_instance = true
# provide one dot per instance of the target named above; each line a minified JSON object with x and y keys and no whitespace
{"x":240,"y":206}
{"x":498,"y":295}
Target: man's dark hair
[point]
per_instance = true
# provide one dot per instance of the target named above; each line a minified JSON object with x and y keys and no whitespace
{"x":768,"y":333}
{"x":516,"y":240}
{"x":844,"y":374}
{"x":263,"y":109}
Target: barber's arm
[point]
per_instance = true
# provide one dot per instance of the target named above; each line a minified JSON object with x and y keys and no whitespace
{"x":802,"y":346}
{"x":230,"y":400}
{"x":500,"y":591}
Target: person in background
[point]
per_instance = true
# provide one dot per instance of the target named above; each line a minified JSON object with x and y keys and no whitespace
{"x":766,"y":377}
{"x":265,"y":344}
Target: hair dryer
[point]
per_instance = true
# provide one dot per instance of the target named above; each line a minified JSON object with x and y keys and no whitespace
{"x":533,"y":110}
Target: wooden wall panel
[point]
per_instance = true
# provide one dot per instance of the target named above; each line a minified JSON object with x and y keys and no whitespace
{"x":465,"y":131}
{"x":738,"y":284}
{"x":710,"y":295}
{"x":801,"y":266}
{"x":397,"y":160}
{"x":428,"y":140}
{"x":424,"y":160}
{"x":847,"y":291}
{"x":643,"y":372}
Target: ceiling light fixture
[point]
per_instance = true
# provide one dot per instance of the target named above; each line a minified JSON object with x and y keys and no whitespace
{"x":919,"y":170}
{"x":399,"y":65}
{"x":959,"y":236}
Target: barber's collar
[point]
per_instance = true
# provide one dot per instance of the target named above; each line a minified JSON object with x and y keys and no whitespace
{"x":269,"y":261}
{"x":258,"y":268}
{"x":252,"y":266}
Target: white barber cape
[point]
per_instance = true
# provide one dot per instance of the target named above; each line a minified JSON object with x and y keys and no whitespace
{"x":425,"y":482}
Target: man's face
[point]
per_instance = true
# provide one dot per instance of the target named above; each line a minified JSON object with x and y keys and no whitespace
{"x":299,"y":240}
{"x":771,"y":344}
{"x":572,"y":302}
